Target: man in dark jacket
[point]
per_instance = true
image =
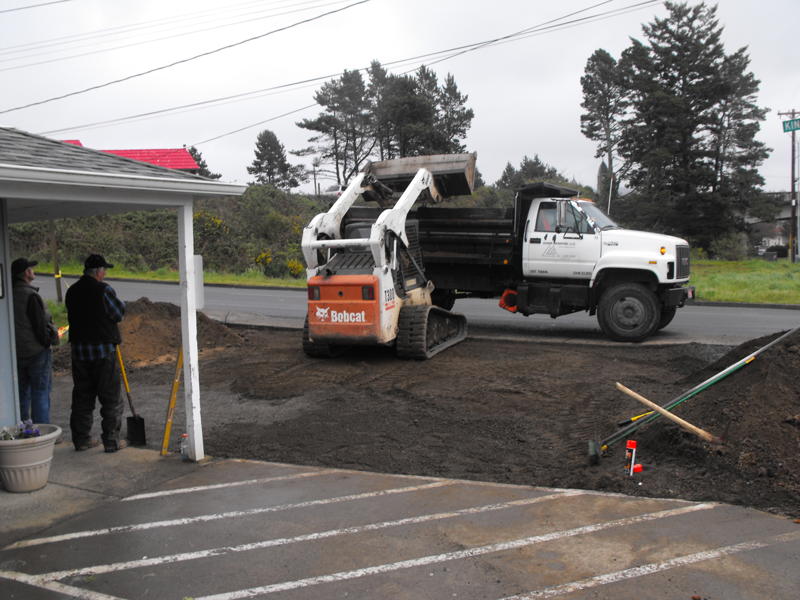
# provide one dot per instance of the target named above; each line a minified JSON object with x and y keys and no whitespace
{"x":34,"y":332}
{"x":93,"y":311}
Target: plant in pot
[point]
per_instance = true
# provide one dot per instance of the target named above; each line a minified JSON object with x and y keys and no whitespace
{"x":26,"y":451}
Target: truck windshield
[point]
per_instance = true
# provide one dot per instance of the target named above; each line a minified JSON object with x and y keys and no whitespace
{"x":600,"y":218}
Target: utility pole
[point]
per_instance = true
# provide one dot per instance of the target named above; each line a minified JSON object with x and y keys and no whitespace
{"x":792,"y":125}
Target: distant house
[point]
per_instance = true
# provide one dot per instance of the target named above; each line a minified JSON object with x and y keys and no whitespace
{"x":775,"y":232}
{"x":171,"y":158}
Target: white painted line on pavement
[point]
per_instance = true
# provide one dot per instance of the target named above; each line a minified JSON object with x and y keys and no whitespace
{"x":67,"y":590}
{"x":225,"y":515}
{"x":216,"y":486}
{"x":460,"y":554}
{"x":173,"y":558}
{"x":648,"y":569}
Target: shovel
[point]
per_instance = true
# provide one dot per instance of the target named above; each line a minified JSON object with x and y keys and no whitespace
{"x":135,"y":423}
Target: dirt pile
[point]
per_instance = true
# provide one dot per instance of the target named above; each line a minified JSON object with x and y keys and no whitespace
{"x":151,"y":333}
{"x":755,"y":411}
{"x":522,"y":413}
{"x":489,"y":410}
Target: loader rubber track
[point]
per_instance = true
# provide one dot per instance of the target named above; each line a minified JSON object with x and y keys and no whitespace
{"x":316,"y":349}
{"x":424,"y":331}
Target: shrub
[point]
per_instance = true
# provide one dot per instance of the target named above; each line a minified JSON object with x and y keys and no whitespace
{"x":296,"y":268}
{"x":731,"y":246}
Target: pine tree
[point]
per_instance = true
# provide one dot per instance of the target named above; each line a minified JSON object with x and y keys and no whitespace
{"x":453,"y":119}
{"x":690,"y":137}
{"x":605,"y":103}
{"x":270,"y":164}
{"x":344,"y":126}
{"x":198,"y":158}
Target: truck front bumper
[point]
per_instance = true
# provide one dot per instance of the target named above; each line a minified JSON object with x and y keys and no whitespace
{"x":677,"y":296}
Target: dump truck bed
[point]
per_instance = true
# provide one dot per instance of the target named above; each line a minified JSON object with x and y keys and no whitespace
{"x":465,"y":249}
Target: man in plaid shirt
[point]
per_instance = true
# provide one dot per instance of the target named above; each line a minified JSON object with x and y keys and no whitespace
{"x":93,"y":311}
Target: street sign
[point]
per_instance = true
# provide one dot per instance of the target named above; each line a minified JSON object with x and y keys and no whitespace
{"x":792,"y":125}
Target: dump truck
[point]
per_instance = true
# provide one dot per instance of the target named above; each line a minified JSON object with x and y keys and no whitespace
{"x":552,"y":253}
{"x":366,"y":280}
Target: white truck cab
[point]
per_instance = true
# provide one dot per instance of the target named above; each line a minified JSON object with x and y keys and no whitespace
{"x":574,"y":239}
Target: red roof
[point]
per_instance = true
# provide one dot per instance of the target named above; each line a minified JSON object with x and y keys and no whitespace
{"x":73,"y":142}
{"x":172,"y":158}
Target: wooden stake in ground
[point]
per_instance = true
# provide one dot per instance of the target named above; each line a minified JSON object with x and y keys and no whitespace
{"x":701,"y":433}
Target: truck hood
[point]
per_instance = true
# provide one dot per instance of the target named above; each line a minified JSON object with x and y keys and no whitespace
{"x":629,"y":239}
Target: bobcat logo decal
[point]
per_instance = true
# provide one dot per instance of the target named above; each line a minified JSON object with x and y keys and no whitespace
{"x":322,"y":313}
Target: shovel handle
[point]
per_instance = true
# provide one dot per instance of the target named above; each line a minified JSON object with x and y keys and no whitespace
{"x":701,"y":433}
{"x":125,"y":379}
{"x":176,"y":382}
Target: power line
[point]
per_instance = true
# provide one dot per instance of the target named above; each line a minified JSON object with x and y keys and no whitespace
{"x":551,"y":25}
{"x":111,"y":31}
{"x":8,"y":10}
{"x":185,"y":60}
{"x":541,"y":28}
{"x":250,"y":19}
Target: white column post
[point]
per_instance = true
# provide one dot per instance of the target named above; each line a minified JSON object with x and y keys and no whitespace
{"x":9,"y":400}
{"x":191,"y":376}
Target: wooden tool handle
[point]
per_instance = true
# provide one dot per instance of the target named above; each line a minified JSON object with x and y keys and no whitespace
{"x":701,"y":433}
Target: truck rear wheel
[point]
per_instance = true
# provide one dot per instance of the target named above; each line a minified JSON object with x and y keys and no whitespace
{"x":628,"y":312}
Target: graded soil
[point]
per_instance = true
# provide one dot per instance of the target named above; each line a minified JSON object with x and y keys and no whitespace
{"x":502,"y":411}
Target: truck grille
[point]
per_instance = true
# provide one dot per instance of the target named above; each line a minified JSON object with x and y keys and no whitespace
{"x":683,"y":262}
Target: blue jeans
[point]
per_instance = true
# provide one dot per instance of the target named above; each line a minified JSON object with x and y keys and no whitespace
{"x":35,"y":375}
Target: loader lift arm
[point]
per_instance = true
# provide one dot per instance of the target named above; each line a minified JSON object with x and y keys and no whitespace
{"x":372,"y":290}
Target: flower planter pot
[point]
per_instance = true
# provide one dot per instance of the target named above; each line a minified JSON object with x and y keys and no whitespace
{"x":25,"y":463}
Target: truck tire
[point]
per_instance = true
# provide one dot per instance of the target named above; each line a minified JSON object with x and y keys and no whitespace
{"x":443,"y":298}
{"x":667,"y":314}
{"x":628,"y":312}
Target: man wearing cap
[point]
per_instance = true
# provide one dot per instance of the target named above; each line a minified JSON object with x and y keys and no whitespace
{"x":34,"y":332}
{"x":93,"y":311}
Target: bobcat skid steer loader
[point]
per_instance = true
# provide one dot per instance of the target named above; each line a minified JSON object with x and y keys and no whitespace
{"x":366,"y":282}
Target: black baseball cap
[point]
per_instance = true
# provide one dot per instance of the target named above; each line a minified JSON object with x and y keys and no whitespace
{"x":96,"y":261}
{"x":19,"y":266}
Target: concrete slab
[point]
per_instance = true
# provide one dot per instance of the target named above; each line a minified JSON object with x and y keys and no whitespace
{"x":136,"y":525}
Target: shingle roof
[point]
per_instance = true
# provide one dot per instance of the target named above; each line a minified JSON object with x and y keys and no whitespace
{"x":19,"y":148}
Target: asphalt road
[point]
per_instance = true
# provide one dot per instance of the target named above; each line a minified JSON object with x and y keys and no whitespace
{"x":704,"y":324}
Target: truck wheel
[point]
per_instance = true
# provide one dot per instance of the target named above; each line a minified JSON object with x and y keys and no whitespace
{"x":667,"y":314}
{"x":443,"y":298}
{"x":628,"y":312}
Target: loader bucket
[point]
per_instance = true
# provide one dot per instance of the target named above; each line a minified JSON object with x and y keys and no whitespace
{"x":453,"y":174}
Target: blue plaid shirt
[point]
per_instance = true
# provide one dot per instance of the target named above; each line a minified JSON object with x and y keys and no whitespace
{"x":115,"y":310}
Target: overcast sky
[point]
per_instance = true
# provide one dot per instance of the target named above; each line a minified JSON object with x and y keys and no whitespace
{"x":526,"y":94}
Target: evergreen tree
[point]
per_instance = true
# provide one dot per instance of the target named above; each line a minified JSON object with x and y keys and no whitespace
{"x":690,"y":137}
{"x":605,"y":102}
{"x":198,"y":158}
{"x":392,"y":116}
{"x":345,"y":127}
{"x":530,"y":169}
{"x":453,"y":119}
{"x":270,"y":164}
